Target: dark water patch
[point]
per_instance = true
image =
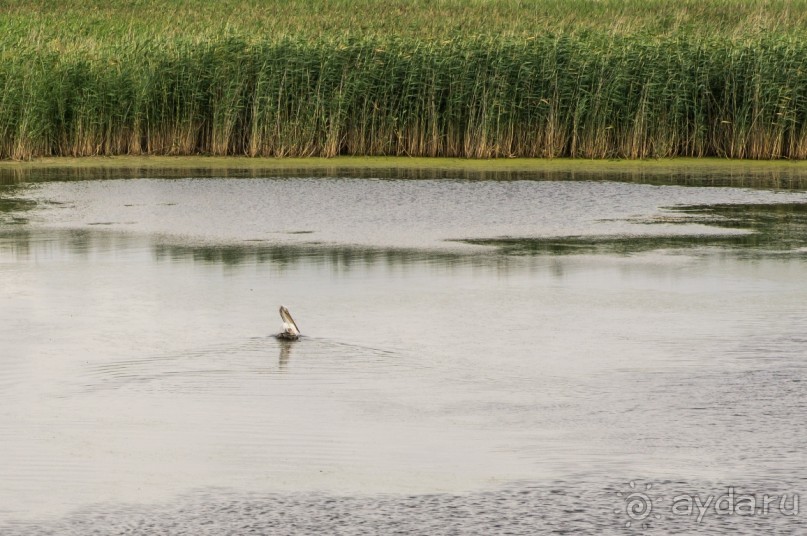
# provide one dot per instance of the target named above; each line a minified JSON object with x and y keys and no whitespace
{"x":778,"y":226}
{"x":749,"y":214}
{"x":581,"y":507}
{"x":13,"y":208}
{"x":289,"y":255}
{"x":620,"y":245}
{"x":11,"y":204}
{"x":767,"y":227}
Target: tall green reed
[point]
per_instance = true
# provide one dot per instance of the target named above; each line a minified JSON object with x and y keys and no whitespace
{"x":594,"y":95}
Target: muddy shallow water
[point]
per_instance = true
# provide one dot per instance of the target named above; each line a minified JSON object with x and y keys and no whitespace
{"x":479,"y":356}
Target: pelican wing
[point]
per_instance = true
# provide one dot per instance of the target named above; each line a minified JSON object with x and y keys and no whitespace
{"x":289,"y":325}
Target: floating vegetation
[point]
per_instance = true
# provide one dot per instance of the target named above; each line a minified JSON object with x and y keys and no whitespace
{"x":618,"y":244}
{"x":768,"y":227}
{"x":12,"y":209}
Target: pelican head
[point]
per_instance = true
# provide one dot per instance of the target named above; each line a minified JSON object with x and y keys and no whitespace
{"x":290,"y":330}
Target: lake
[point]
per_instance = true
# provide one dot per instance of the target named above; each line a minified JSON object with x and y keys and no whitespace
{"x":480,"y":355}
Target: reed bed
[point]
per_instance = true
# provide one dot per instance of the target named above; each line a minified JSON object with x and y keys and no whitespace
{"x":110,"y":83}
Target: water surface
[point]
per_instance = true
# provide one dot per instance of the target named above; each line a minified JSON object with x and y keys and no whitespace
{"x":480,"y":356}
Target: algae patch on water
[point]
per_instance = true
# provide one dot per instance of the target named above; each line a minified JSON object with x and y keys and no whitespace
{"x":11,"y":209}
{"x":770,"y":227}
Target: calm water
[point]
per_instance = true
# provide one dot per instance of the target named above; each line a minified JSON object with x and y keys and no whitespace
{"x":480,"y":356}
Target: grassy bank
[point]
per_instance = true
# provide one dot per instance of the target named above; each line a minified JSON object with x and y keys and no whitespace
{"x":479,"y":79}
{"x":222,"y":163}
{"x":777,"y":174}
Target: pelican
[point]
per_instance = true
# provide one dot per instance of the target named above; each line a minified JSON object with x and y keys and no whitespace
{"x":290,"y":330}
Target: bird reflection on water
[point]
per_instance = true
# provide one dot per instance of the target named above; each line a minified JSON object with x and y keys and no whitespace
{"x":285,"y":354}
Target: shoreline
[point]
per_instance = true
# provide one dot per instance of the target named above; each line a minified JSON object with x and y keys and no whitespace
{"x":715,"y":172}
{"x":661,"y":165}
